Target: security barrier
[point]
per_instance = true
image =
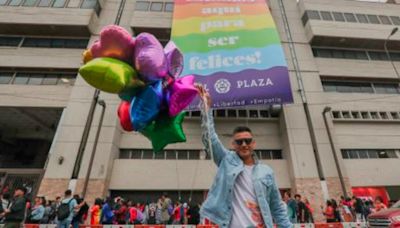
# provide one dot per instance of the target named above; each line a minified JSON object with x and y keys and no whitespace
{"x":308,"y":225}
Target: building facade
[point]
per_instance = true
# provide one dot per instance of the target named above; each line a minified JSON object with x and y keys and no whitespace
{"x":338,"y":68}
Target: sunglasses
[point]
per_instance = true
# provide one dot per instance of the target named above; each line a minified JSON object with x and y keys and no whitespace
{"x":239,"y":142}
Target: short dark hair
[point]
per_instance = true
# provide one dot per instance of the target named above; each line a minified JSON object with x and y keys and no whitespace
{"x":22,"y":188}
{"x":240,"y":129}
{"x":68,"y":193}
{"x":297,"y":195}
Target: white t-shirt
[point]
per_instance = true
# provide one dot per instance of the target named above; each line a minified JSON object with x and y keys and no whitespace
{"x":245,"y":210}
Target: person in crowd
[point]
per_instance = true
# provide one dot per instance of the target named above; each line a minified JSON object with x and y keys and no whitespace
{"x":47,"y":211}
{"x":37,"y":212}
{"x":291,"y":206}
{"x":358,"y":206}
{"x":80,"y":212}
{"x":302,"y":212}
{"x":194,"y":214}
{"x":336,"y":211}
{"x":166,"y":211}
{"x":15,"y":213}
{"x":65,"y":211}
{"x":310,"y":211}
{"x":159,"y":212}
{"x":177,"y":213}
{"x":107,"y":214}
{"x":345,"y":211}
{"x":329,"y":212}
{"x":368,"y":208}
{"x":378,"y":204}
{"x":4,"y":204}
{"x":151,"y":214}
{"x":120,"y":214}
{"x":134,"y":217}
{"x":185,"y":209}
{"x":232,"y":199}
{"x":95,"y":212}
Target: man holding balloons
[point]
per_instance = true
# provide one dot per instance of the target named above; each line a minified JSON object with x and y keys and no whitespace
{"x":244,"y":193}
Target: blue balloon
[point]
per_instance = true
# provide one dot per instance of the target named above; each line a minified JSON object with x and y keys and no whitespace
{"x":145,"y":106}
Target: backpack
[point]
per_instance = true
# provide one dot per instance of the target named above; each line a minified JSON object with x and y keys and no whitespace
{"x":64,"y":211}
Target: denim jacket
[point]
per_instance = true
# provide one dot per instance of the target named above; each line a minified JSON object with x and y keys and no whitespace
{"x":218,"y":205}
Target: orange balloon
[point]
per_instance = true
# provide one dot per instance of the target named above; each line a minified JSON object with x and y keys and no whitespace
{"x":87,"y":56}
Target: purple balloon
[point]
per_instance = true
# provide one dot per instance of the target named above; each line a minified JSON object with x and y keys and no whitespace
{"x":174,"y":59}
{"x":181,"y":94}
{"x":149,"y":57}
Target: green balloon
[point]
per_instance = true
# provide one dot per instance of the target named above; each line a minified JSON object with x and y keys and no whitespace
{"x":110,"y":75}
{"x":165,"y":130}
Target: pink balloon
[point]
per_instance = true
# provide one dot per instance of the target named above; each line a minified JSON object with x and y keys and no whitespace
{"x":174,"y":59}
{"x":124,"y":117}
{"x":115,"y":42}
{"x":182,"y":93}
{"x":149,"y":57}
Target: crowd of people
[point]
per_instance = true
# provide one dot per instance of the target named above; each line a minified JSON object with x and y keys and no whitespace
{"x":72,"y":210}
{"x":344,"y":210}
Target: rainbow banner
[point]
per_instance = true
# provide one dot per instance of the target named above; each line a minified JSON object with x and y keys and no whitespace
{"x":233,"y":49}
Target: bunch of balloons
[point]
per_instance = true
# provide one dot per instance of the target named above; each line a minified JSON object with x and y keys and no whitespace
{"x":146,"y":77}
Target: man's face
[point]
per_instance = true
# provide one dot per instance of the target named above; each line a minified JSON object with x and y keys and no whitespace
{"x":297,"y":198}
{"x":18,"y":192}
{"x":244,"y":144}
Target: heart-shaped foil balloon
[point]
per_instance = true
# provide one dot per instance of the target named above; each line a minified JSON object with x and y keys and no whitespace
{"x":115,"y":42}
{"x":149,"y":57}
{"x":174,"y":59}
{"x":124,"y":117}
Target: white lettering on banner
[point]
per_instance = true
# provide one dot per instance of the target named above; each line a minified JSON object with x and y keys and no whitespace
{"x":217,"y":61}
{"x":222,"y":41}
{"x":261,"y":82}
{"x":221,"y":10}
{"x":204,"y":26}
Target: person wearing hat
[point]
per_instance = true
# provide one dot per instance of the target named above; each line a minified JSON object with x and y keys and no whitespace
{"x":15,"y":214}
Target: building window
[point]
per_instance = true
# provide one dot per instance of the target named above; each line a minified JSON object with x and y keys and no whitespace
{"x":362,"y":18}
{"x":3,"y":2}
{"x":162,"y":155}
{"x":15,"y":2}
{"x":369,"y":153}
{"x":373,"y":19}
{"x":89,"y":4}
{"x":355,"y":54}
{"x":326,"y":16}
{"x":78,"y":43}
{"x":269,"y":154}
{"x":346,"y":87}
{"x":338,"y":16}
{"x":385,"y":20}
{"x":61,"y":3}
{"x":386,"y":88}
{"x":5,"y":77}
{"x":35,"y":78}
{"x":142,"y":6}
{"x":169,"y":7}
{"x":350,"y":17}
{"x":8,"y":41}
{"x":44,"y":3}
{"x":395,"y":20}
{"x":29,"y":3}
{"x":156,"y":6}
